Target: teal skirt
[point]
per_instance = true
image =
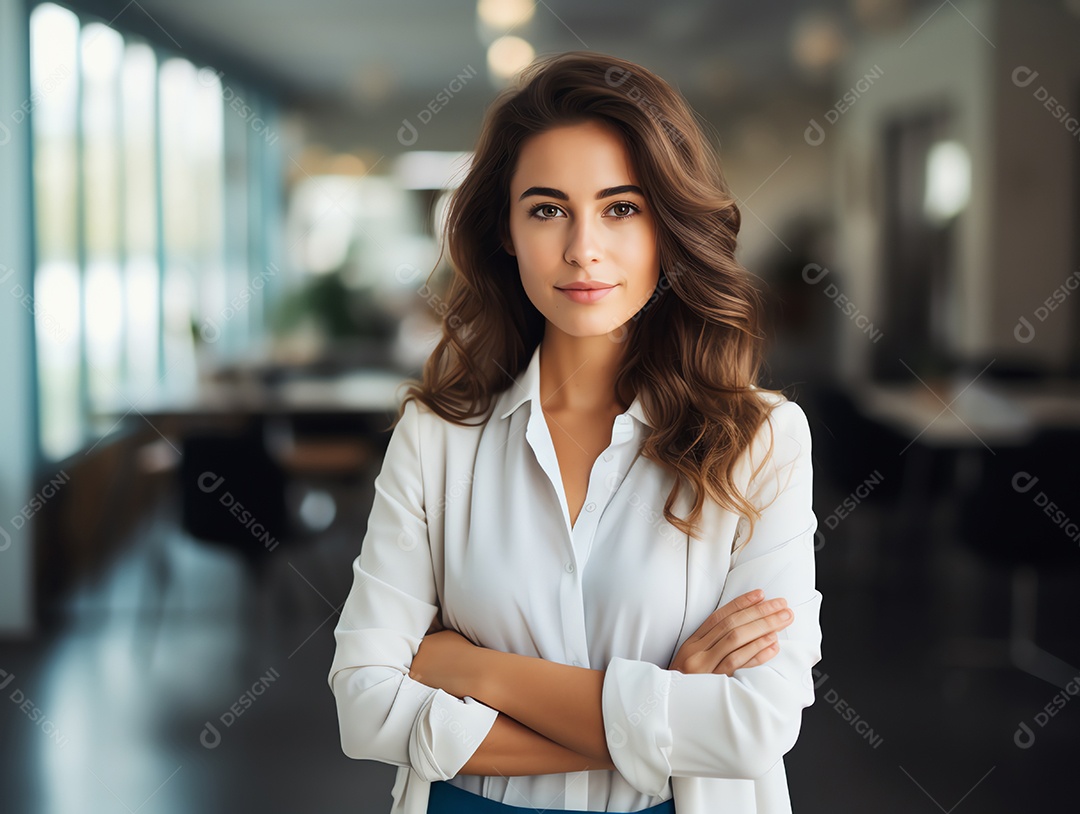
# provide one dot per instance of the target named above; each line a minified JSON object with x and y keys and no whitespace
{"x":447,"y":798}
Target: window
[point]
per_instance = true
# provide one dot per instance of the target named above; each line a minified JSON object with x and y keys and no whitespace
{"x":150,"y":179}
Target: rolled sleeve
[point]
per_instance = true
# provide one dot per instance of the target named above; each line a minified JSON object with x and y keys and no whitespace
{"x":664,"y":723}
{"x":383,"y":714}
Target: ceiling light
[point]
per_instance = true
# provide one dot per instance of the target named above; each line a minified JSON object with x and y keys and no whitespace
{"x":508,"y":55}
{"x":503,"y":15}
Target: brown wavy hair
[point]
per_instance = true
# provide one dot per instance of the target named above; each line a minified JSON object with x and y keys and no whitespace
{"x":694,"y":350}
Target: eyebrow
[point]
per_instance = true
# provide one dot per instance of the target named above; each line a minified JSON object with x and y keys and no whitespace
{"x":549,"y":192}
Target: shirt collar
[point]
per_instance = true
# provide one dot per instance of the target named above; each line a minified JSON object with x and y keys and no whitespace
{"x":526,"y":387}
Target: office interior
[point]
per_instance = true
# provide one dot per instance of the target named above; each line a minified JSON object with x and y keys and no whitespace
{"x":219,"y":260}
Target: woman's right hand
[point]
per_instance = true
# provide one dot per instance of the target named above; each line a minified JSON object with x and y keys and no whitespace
{"x":740,"y":634}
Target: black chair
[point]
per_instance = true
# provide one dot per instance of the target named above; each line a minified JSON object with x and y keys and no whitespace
{"x":1002,"y":518}
{"x":233,"y":494}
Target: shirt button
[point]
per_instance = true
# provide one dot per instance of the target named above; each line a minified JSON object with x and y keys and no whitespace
{"x":590,"y":506}
{"x":576,"y":663}
{"x":607,"y":456}
{"x":569,"y":567}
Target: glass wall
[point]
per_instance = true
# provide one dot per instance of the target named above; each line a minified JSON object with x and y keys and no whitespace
{"x":144,"y":218}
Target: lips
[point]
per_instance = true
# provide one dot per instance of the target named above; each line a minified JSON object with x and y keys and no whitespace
{"x":586,"y":292}
{"x":590,"y":286}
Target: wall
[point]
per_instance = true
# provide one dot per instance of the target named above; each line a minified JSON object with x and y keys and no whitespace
{"x":1037,"y":176}
{"x":17,"y":427}
{"x":946,"y":59}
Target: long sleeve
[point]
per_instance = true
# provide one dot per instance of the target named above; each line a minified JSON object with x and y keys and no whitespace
{"x":383,"y":714}
{"x":663,"y":723}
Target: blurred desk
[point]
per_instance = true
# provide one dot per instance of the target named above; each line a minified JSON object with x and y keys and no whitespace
{"x":946,"y":430}
{"x":971,"y":414}
{"x":363,"y":392}
{"x":956,"y":417}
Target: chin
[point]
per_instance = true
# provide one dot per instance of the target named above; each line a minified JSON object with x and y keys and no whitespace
{"x":598,"y":326}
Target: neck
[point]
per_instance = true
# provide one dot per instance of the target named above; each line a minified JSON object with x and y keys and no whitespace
{"x":577,"y":373}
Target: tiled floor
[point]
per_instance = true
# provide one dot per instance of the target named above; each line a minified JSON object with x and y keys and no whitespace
{"x":111,"y":710}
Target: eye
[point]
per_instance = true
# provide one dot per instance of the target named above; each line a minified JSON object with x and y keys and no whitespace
{"x":623,"y":210}
{"x":545,"y":212}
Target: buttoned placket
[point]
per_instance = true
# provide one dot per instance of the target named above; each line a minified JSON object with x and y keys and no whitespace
{"x":607,"y":473}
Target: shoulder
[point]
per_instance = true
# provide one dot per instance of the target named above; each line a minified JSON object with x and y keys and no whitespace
{"x":787,"y":417}
{"x":785,"y":431}
{"x":434,"y":431}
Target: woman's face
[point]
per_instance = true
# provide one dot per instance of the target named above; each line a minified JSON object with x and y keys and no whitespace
{"x":578,"y":217}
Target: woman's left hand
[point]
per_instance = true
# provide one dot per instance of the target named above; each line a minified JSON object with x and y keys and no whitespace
{"x":447,"y":661}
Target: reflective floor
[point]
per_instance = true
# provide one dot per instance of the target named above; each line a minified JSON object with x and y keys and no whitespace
{"x":172,"y":685}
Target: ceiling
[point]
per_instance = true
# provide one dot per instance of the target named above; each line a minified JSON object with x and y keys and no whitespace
{"x":354,"y":63}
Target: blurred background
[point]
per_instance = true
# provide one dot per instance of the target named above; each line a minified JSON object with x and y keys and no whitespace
{"x":219,"y":260}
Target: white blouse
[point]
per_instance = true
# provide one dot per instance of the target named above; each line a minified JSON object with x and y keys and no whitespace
{"x":471,"y":524}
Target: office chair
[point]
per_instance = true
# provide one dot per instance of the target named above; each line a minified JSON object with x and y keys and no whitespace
{"x":1001,"y":517}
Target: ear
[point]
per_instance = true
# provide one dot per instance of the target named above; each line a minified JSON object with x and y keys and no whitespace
{"x":507,"y":242}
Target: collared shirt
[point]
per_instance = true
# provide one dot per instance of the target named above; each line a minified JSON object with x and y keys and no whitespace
{"x":471,"y":525}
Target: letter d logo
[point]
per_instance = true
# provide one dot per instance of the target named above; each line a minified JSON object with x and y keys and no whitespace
{"x":1024,"y":737}
{"x":814,"y":134}
{"x":1024,"y":331}
{"x":406,"y":134}
{"x":207,"y":483}
{"x":1023,"y":481}
{"x":813,"y":273}
{"x":210,"y":737}
{"x":1022,"y":76}
{"x":616,"y":736}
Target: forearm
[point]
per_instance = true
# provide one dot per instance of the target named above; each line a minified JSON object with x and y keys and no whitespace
{"x":558,"y":701}
{"x":513,"y":749}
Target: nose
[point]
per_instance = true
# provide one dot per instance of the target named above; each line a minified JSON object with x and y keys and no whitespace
{"x":584,"y":244}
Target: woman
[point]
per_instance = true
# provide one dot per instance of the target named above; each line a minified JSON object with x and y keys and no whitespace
{"x":574,"y":589}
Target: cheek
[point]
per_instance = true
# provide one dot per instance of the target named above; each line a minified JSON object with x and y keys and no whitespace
{"x":642,"y":254}
{"x":537,"y":249}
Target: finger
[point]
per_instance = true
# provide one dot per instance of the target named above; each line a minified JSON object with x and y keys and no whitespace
{"x":753,"y":624}
{"x":742,"y":602}
{"x":769,"y":649}
{"x":751,"y":653}
{"x":739,"y":603}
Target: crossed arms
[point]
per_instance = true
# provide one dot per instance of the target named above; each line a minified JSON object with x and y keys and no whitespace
{"x":728,"y":706}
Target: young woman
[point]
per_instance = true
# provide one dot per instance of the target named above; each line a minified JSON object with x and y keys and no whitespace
{"x":587,"y":581}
